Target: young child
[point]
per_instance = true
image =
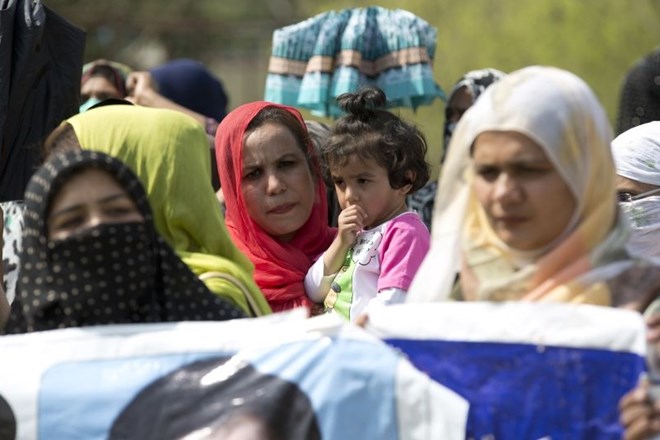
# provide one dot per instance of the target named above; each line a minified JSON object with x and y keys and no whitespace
{"x":374,"y":160}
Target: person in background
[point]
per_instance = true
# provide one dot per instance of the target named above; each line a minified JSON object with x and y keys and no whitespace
{"x":101,"y":80}
{"x":188,"y":86}
{"x":462,"y":96}
{"x":639,"y":100}
{"x":374,"y":160}
{"x":91,"y":254}
{"x":640,"y":412}
{"x":168,"y":151}
{"x":275,"y":197}
{"x":637,"y":159}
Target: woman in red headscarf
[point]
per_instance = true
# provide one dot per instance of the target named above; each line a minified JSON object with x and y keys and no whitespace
{"x":274,"y":196}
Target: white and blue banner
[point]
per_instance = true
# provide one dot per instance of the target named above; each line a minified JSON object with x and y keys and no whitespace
{"x":528,"y":370}
{"x":279,"y":377}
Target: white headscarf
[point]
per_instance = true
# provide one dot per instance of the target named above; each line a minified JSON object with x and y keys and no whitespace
{"x":637,"y":157}
{"x":559,"y":112}
{"x":637,"y":153}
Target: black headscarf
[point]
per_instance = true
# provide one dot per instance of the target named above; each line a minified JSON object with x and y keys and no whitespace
{"x":110,"y":274}
{"x":476,"y":81}
{"x":640,"y":94}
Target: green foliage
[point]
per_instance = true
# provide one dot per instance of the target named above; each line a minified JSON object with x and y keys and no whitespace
{"x":598,"y":40}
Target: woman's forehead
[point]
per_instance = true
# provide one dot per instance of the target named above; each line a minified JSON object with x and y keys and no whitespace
{"x":269,"y":142}
{"x":507,"y":145}
{"x":89,"y":184}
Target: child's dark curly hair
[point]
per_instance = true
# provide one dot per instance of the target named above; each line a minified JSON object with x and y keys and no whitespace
{"x":371,"y":133}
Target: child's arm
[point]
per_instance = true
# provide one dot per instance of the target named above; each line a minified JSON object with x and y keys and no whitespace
{"x":349,"y":225}
{"x":317,"y":285}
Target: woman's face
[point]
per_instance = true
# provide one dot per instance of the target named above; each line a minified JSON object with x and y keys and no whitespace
{"x":100,"y":88}
{"x":88,"y":199}
{"x":458,"y":104}
{"x":526,"y":201}
{"x":276,"y":182}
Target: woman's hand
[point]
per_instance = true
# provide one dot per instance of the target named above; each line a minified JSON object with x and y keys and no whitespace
{"x":140,"y":88}
{"x":653,"y":342}
{"x":653,"y":328}
{"x":362,"y":320}
{"x":639,"y":414}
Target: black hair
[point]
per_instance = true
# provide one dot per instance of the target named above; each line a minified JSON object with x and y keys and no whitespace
{"x":372,"y":133}
{"x":277,"y":115}
{"x":62,"y":139}
{"x":180,"y":403}
{"x":110,"y":74}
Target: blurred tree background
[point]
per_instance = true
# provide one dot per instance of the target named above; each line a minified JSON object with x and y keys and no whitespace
{"x":598,"y":40}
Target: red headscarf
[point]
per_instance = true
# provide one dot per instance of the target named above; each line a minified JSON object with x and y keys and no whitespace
{"x":279,"y":267}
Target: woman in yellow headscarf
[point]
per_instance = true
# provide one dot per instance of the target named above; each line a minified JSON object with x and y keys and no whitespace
{"x":526,"y":206}
{"x":169,"y":152}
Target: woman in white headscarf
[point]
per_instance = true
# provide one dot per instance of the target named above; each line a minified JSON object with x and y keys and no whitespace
{"x":637,"y":158}
{"x":527,"y":209}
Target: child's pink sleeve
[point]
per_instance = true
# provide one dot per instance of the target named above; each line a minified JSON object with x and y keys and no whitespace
{"x":405,"y":244}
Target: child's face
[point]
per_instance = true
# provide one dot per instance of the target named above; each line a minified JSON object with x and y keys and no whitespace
{"x":366,"y":183}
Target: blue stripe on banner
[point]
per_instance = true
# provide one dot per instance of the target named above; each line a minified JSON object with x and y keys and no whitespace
{"x":79,"y":400}
{"x":522,"y":391}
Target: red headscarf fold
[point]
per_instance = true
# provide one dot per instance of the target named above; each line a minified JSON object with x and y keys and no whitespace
{"x":279,"y":268}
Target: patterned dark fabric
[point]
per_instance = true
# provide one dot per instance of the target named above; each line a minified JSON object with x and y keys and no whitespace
{"x":422,"y":202}
{"x":315,"y":61}
{"x":640,"y":94}
{"x":110,"y":274}
{"x":41,"y":55}
{"x":11,"y":237}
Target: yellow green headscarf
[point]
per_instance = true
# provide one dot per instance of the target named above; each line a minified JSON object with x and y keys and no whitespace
{"x":169,"y":152}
